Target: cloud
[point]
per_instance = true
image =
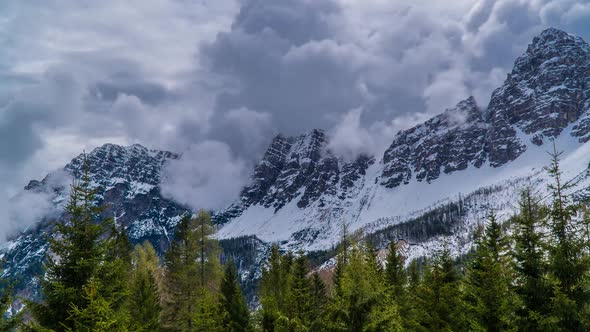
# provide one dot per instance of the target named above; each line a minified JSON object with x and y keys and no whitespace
{"x":179,"y":75}
{"x":53,"y":100}
{"x":205,"y":177}
{"x":29,"y":207}
{"x":349,"y":138}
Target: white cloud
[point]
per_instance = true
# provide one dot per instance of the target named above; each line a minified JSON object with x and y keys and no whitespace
{"x":206,"y":176}
{"x":179,"y":74}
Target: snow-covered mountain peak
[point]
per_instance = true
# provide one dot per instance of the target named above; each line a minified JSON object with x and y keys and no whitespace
{"x":545,"y":92}
{"x":434,"y":183}
{"x":552,"y":39}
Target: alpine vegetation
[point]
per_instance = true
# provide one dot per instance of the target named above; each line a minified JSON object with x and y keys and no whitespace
{"x":530,"y":272}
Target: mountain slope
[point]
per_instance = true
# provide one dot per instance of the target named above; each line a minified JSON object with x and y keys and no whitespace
{"x":126,"y":180}
{"x":433,"y":185}
{"x":544,"y":98}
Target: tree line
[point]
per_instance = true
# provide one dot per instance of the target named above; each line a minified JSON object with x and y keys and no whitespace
{"x":530,"y":273}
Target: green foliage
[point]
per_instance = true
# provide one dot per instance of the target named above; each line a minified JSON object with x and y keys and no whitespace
{"x":360,"y":302}
{"x":488,"y":297}
{"x":191,"y":276}
{"x":98,"y":314}
{"x":531,"y":286}
{"x":319,"y":299}
{"x":439,"y":295}
{"x":569,"y":263}
{"x":85,"y":268}
{"x":8,"y":319}
{"x":234,"y":309}
{"x":395,"y":273}
{"x":274,"y":288}
{"x":301,"y":292}
{"x":144,"y":296}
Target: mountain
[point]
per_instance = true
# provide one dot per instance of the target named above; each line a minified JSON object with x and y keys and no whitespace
{"x":434,"y":184}
{"x":127,"y":181}
{"x":301,"y":193}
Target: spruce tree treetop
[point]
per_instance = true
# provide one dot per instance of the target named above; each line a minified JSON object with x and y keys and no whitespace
{"x":74,"y":257}
{"x":234,"y":308}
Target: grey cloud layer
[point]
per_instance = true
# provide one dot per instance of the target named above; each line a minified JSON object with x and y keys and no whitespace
{"x":187,"y":76}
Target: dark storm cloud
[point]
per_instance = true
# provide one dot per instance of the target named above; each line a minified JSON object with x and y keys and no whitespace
{"x":310,"y":63}
{"x":217,"y":75}
{"x":47,"y":103}
{"x":281,"y":58}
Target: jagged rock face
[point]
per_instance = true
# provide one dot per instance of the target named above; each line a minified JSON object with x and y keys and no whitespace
{"x":548,"y":89}
{"x":298,"y":168}
{"x":450,"y":141}
{"x":545,"y":92}
{"x":301,"y":191}
{"x":126,"y":180}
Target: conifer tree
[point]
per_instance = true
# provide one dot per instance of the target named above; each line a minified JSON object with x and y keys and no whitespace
{"x":274,"y":288}
{"x":411,"y":306}
{"x":114,"y":272}
{"x":440,"y":295}
{"x":235,"y":310}
{"x":531,"y":285}
{"x":488,"y":297}
{"x":9,"y":320}
{"x":107,"y":292}
{"x":75,"y":258}
{"x":144,"y":299}
{"x":301,"y":296}
{"x":395,"y":273}
{"x":191,"y":277}
{"x":567,"y":263}
{"x":98,"y":314}
{"x":319,"y":296}
{"x":301,"y":292}
{"x":361,"y":303}
{"x":396,"y":278}
{"x":341,"y":256}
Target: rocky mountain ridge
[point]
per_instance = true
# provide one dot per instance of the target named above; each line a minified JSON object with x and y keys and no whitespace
{"x":301,"y":194}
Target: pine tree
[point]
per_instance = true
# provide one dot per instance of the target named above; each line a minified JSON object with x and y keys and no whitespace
{"x":108,"y":291}
{"x":274,"y":288}
{"x":531,"y":285}
{"x":144,"y":299}
{"x":98,"y":314}
{"x":235,"y":311}
{"x":75,"y":258}
{"x":488,"y":296}
{"x":440,"y":295}
{"x":396,"y":278}
{"x":191,"y":277}
{"x":319,"y":298}
{"x":411,"y":306}
{"x":114,"y":272}
{"x":395,"y":274}
{"x":567,"y":263}
{"x":301,"y":292}
{"x":341,"y":257}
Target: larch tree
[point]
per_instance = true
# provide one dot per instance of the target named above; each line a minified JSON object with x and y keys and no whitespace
{"x":191,"y":277}
{"x":144,"y":296}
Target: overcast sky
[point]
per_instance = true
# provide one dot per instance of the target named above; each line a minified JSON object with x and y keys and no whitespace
{"x":215,"y":79}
